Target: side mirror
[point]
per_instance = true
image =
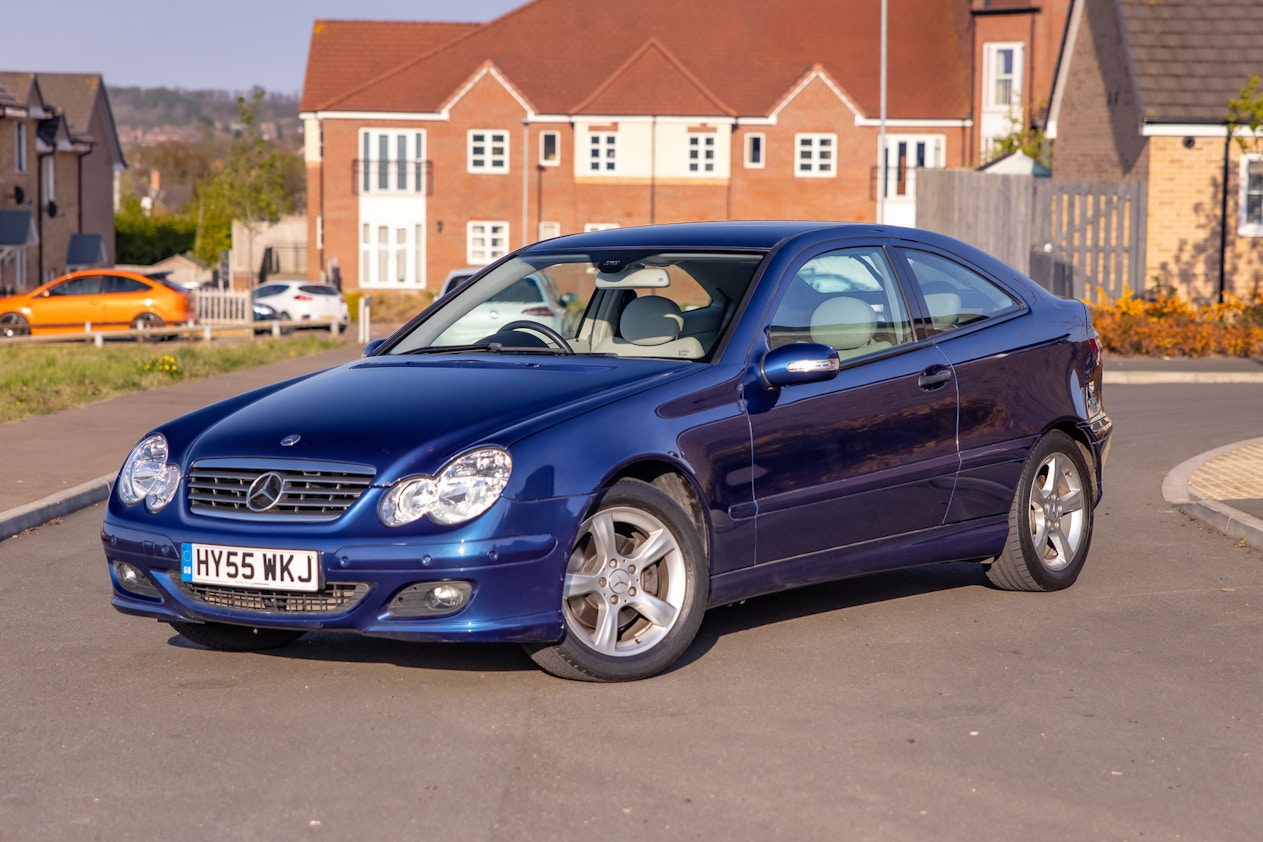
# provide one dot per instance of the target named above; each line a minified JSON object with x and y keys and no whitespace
{"x":802,"y":362}
{"x":371,"y":348}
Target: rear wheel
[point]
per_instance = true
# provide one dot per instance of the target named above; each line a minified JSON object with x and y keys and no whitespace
{"x":1050,"y":523}
{"x":13,"y":324}
{"x":634,"y":592}
{"x":148,"y":321}
{"x":226,"y":638}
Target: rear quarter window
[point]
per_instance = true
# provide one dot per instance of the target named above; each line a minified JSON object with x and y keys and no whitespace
{"x":954,"y":294}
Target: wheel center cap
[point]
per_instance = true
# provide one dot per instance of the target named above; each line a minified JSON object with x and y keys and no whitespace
{"x":620,"y":581}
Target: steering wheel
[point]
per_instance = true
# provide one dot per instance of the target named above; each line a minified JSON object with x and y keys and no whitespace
{"x":542,"y":329}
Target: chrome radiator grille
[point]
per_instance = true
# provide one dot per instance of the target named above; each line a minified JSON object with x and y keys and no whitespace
{"x":275,"y":489}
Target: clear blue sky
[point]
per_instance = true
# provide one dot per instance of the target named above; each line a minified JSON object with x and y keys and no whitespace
{"x":221,"y":44}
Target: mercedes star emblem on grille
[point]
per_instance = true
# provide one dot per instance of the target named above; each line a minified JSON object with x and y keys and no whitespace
{"x":265,"y":492}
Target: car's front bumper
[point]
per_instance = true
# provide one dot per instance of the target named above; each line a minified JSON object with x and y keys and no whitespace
{"x":515,"y":580}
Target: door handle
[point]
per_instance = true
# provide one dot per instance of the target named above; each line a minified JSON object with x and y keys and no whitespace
{"x":934,"y":377}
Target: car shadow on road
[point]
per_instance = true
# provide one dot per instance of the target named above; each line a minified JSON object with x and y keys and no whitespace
{"x":754,"y":613}
{"x":813,"y":600}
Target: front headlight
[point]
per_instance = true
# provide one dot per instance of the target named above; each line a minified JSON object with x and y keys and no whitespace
{"x":465,"y":488}
{"x":147,"y":476}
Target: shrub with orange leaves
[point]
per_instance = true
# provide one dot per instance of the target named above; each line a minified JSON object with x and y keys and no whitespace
{"x":1163,"y":323}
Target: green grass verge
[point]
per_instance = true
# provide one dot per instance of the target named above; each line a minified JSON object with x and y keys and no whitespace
{"x":41,"y":379}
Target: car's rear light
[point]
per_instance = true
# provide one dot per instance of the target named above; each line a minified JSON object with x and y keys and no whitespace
{"x":538,"y":311}
{"x":1096,"y":350}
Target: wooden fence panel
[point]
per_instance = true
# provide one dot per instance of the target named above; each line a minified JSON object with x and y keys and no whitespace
{"x":1081,"y":239}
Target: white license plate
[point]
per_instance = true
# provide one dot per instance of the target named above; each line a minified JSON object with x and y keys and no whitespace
{"x":250,"y":567}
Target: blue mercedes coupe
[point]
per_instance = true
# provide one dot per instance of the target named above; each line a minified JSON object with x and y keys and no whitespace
{"x":708,"y":412}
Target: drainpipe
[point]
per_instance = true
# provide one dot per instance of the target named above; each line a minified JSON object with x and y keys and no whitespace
{"x":526,"y":183}
{"x":1223,"y":216}
{"x":881,"y":131}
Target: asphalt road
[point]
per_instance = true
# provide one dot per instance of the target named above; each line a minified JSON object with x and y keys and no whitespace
{"x":917,"y":705}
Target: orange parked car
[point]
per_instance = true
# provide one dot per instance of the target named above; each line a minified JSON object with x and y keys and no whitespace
{"x":108,"y":299}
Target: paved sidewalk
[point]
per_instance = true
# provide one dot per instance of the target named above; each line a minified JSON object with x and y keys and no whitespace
{"x":1223,"y":489}
{"x":57,"y":464}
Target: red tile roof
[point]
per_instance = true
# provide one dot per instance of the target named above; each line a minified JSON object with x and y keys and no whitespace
{"x":345,"y":54}
{"x":660,"y":57}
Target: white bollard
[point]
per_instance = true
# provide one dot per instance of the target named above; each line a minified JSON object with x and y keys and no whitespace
{"x":98,"y":339}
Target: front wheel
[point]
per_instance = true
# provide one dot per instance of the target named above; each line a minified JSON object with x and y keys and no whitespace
{"x":1050,"y":523}
{"x":634,"y":592}
{"x":13,"y":324}
{"x":227,"y":638}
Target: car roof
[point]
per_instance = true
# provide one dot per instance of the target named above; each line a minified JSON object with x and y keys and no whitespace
{"x":725,"y":235}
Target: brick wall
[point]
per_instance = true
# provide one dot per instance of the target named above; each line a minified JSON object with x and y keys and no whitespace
{"x":557,"y":194}
{"x":1097,"y":129}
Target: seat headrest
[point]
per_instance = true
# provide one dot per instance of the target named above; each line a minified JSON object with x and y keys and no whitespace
{"x":651,"y":320}
{"x":845,"y":323}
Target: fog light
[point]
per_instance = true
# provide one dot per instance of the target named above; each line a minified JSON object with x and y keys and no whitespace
{"x":431,"y":599}
{"x":130,"y":579}
{"x":445,"y":598}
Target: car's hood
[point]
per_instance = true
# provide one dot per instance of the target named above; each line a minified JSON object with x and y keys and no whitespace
{"x":410,"y":415}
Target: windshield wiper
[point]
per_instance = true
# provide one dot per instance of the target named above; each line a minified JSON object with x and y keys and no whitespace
{"x":492,"y":347}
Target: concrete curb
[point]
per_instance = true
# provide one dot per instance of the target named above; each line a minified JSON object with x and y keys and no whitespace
{"x":1212,"y":513}
{"x":1150,"y":378}
{"x":54,"y":506}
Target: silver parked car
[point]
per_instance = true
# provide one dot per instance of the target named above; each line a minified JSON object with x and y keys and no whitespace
{"x":304,"y":301}
{"x":533,"y":298}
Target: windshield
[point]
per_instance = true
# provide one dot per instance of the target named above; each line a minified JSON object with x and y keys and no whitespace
{"x":646,"y":303}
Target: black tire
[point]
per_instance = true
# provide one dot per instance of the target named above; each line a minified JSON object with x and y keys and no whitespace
{"x":14,"y":324}
{"x":225,"y":638}
{"x":286,"y":330}
{"x":149,"y":321}
{"x":1050,"y":523}
{"x":659,"y":602}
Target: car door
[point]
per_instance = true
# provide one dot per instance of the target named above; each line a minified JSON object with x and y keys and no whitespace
{"x":872,"y":452}
{"x":1009,"y":380}
{"x":69,"y":305}
{"x":123,"y":299}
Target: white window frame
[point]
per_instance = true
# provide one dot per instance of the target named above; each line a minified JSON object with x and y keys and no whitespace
{"x":753,"y":139}
{"x":486,"y":241}
{"x":605,"y":145}
{"x":50,"y":179}
{"x":19,"y":147}
{"x":548,"y":230}
{"x":555,"y":160}
{"x":404,"y":152}
{"x":822,"y":158}
{"x":992,"y":76}
{"x":488,"y":151}
{"x":589,"y":227}
{"x":702,"y":149}
{"x":1247,"y":227}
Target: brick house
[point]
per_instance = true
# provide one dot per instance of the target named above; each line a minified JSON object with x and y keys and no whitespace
{"x":1142,"y":94}
{"x":431,"y":146}
{"x":59,"y":153}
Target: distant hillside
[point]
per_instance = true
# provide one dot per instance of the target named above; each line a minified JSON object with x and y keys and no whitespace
{"x":147,"y":114}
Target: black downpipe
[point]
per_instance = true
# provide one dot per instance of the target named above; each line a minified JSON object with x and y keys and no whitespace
{"x":1223,"y":217}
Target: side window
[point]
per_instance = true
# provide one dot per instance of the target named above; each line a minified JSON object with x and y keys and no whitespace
{"x":78,"y":286}
{"x":954,"y":295}
{"x":846,"y":298}
{"x":117,"y":283}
